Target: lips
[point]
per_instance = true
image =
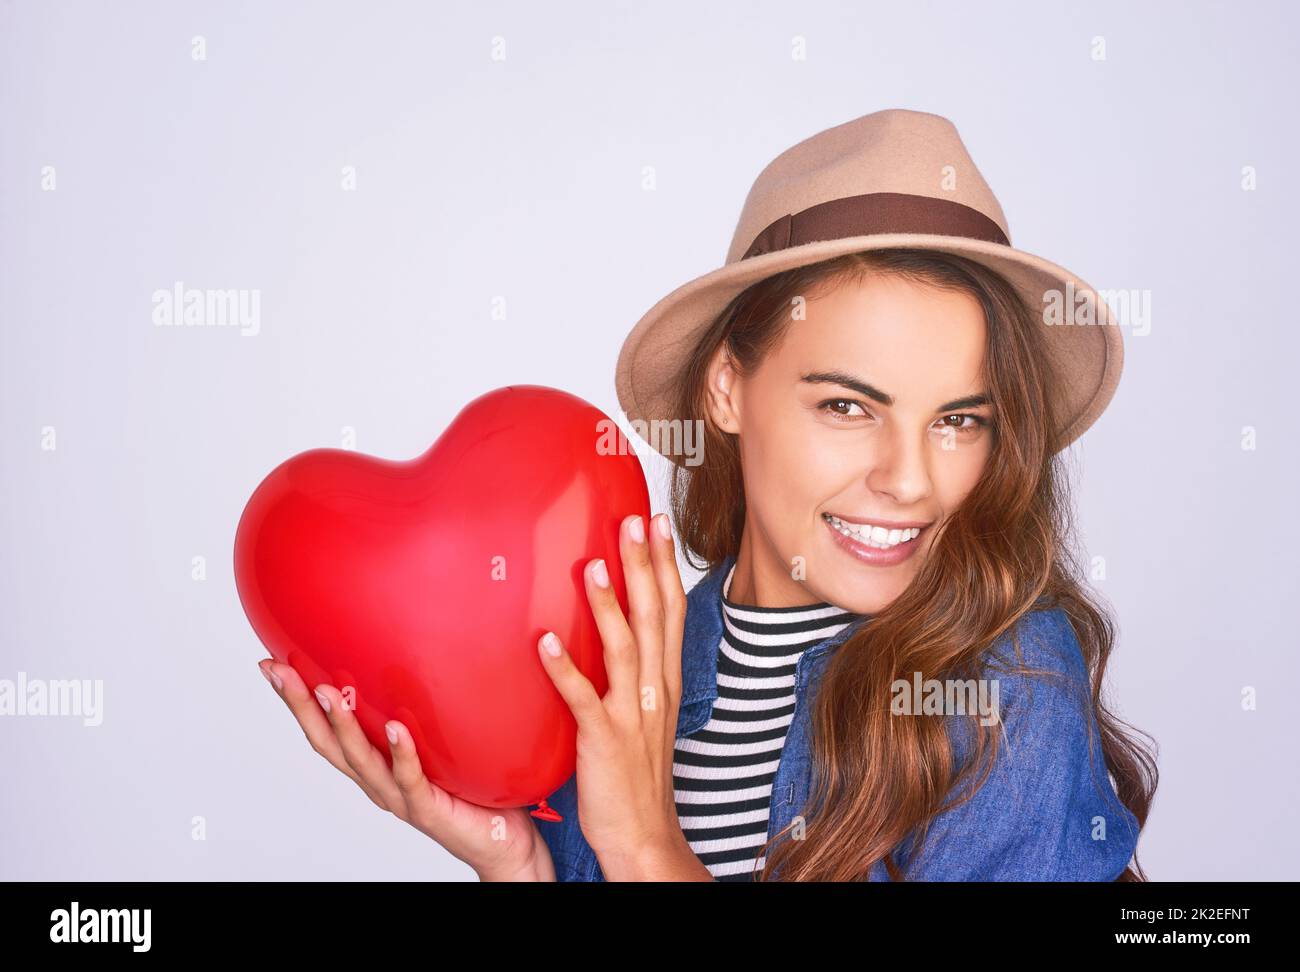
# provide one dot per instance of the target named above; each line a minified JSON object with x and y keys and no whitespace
{"x":866,"y":552}
{"x":884,"y":537}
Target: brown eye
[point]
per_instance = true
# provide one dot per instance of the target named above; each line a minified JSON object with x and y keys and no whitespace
{"x":977,"y":422}
{"x":838,"y":407}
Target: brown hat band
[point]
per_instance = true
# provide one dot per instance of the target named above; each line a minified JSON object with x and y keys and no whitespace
{"x":875,"y":213}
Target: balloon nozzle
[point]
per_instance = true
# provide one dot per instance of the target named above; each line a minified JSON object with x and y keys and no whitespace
{"x":545,"y":812}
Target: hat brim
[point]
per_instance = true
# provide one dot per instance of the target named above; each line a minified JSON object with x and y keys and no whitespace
{"x":1086,"y":359}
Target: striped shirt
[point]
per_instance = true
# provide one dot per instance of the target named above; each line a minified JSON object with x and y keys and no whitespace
{"x":723,"y":772}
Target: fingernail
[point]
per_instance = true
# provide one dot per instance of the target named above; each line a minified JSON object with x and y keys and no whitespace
{"x":635,"y":530}
{"x":323,"y":699}
{"x":599,"y":574}
{"x":551,"y":644}
{"x":665,"y":530}
{"x":391,"y":733}
{"x":273,"y":678}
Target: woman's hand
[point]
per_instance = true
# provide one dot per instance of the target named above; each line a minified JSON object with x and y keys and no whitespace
{"x":501,"y":845}
{"x":625,"y":740}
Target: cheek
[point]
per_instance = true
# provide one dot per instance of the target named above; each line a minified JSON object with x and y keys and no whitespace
{"x":955,"y":479}
{"x":787,"y":476}
{"x":774,"y":444}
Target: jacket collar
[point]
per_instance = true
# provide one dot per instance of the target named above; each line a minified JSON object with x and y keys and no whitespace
{"x":702,"y":633}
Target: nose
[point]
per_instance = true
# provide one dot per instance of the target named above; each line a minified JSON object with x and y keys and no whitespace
{"x":900,"y":468}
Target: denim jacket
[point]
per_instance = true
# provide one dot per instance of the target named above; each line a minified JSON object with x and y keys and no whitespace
{"x":1042,"y":814}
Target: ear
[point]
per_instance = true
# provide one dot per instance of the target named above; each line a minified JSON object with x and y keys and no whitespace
{"x":722,"y":392}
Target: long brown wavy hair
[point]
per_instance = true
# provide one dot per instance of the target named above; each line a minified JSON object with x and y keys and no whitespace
{"x":877,"y":779}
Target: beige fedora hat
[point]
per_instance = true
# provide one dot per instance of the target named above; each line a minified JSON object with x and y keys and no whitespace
{"x":888,"y":179}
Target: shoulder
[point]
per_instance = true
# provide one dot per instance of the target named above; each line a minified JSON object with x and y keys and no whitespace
{"x":1047,"y":809}
{"x":1038,"y":677}
{"x":1041,"y":677}
{"x":1044,"y":639}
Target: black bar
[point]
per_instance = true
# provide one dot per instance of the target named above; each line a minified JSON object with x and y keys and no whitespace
{"x":372,"y":920}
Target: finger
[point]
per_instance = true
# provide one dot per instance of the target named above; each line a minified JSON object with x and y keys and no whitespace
{"x":574,"y":687}
{"x":620,"y":644}
{"x":315,"y":726}
{"x":427,"y":806}
{"x":673,"y":598}
{"x":645,"y":609}
{"x":361,"y":755}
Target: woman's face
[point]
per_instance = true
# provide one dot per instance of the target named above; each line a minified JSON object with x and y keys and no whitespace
{"x":869,"y":418}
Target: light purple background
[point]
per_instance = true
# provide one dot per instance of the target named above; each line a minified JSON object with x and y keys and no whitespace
{"x":522,"y":179}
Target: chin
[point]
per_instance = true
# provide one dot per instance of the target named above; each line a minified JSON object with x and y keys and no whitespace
{"x":872,"y":604}
{"x":864,"y":589}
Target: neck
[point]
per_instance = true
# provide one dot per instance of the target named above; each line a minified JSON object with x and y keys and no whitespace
{"x":761,"y":579}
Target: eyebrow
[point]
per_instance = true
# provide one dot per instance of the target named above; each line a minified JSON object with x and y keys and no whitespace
{"x":870,"y":391}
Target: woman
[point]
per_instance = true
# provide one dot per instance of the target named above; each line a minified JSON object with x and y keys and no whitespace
{"x":892,"y":670}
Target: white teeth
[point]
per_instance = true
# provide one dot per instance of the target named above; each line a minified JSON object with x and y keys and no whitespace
{"x":873,"y":536}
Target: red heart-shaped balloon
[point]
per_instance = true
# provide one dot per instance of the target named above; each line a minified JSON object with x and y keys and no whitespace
{"x":420,"y":589}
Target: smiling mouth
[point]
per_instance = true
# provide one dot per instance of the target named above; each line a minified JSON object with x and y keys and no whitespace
{"x":882,"y":538}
